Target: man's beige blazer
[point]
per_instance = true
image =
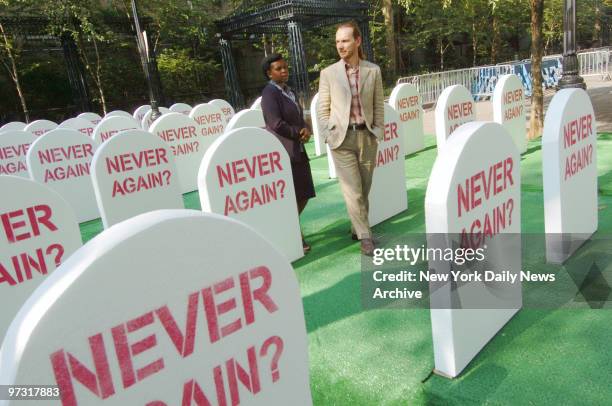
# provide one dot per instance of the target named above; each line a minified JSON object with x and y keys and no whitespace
{"x":335,"y":101}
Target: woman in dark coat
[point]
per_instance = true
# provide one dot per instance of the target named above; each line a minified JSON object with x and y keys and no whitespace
{"x":285,"y":119}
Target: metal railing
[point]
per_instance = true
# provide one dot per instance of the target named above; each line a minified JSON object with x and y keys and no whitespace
{"x":481,"y":80}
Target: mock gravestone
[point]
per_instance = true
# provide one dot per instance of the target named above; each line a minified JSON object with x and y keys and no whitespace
{"x":319,"y":142}
{"x":569,"y":170}
{"x":182,"y":108}
{"x":331,"y":166}
{"x":246,"y":175}
{"x":188,"y":142}
{"x":226,"y":109}
{"x":256,"y":104}
{"x":40,"y":127}
{"x":140,"y":112}
{"x":14,"y":147}
{"x":80,"y":124}
{"x":113,"y":125}
{"x":388,"y":193}
{"x":119,"y":113}
{"x":406,"y":101}
{"x":134,"y":173}
{"x":94,"y":118}
{"x":61,"y":159}
{"x":210,"y":118}
{"x":13,"y":126}
{"x":509,"y":109}
{"x":246,"y":118}
{"x":38,"y":232}
{"x":473,"y":200}
{"x":454,"y":107}
{"x":147,"y":120}
{"x":160,"y":310}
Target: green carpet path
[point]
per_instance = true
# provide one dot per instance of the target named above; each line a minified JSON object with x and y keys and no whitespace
{"x":371,"y":357}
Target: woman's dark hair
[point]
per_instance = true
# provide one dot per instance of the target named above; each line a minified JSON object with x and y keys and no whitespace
{"x":268,"y":61}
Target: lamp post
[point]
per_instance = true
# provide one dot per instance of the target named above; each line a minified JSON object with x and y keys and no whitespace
{"x":147,"y":62}
{"x":571,"y":68}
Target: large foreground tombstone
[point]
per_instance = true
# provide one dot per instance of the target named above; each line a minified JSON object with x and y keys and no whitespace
{"x":226,"y":109}
{"x":174,"y":307}
{"x":40,"y":127}
{"x":509,"y":108}
{"x":113,"y":125}
{"x":13,"y":126}
{"x":188,"y":143}
{"x":133,"y":173}
{"x":473,"y":202}
{"x":246,"y":175}
{"x":454,"y":107}
{"x":80,"y":124}
{"x":388,"y":193}
{"x":569,"y":169}
{"x":246,"y":118}
{"x":406,"y":101}
{"x":14,"y":146}
{"x":38,"y":232}
{"x":61,"y":159}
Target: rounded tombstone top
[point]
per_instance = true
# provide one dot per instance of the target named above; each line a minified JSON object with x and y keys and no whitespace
{"x":454,"y":107}
{"x":95,"y":118}
{"x":404,"y":96}
{"x":246,"y":118}
{"x":509,"y":108}
{"x":226,"y":108}
{"x":80,"y":124}
{"x":117,"y":113}
{"x":39,"y":127}
{"x":13,"y":126}
{"x":182,"y":108}
{"x":147,"y":120}
{"x":256,"y":104}
{"x":110,"y":126}
{"x":208,"y":116}
{"x":140,"y":112}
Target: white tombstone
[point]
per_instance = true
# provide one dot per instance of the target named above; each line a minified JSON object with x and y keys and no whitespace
{"x":93,"y":117}
{"x":319,"y":142}
{"x":147,"y":120}
{"x":256,"y":104}
{"x":569,"y":170}
{"x":473,"y":196}
{"x":38,"y":232}
{"x":406,"y":101}
{"x":13,"y":126}
{"x":509,"y":108}
{"x":116,"y":113}
{"x":210,"y":118}
{"x":160,"y":310}
{"x":39,"y":127}
{"x":134,"y":173}
{"x":61,"y":159}
{"x":246,"y":175}
{"x":226,"y":108}
{"x":140,"y":112}
{"x":187,"y":141}
{"x":388,"y":193}
{"x":14,"y":147}
{"x":454,"y":107}
{"x":246,"y":118}
{"x":331,"y":166}
{"x":80,"y":124}
{"x":113,"y":125}
{"x":182,"y":108}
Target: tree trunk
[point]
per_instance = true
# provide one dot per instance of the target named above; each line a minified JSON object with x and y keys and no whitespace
{"x":597,"y":26}
{"x":496,"y":40}
{"x":14,"y":74}
{"x":96,"y":76}
{"x":387,"y":10}
{"x":536,"y":120}
{"x":474,"y":42}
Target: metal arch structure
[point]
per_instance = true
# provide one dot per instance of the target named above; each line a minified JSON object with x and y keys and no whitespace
{"x":34,"y":29}
{"x":291,"y":18}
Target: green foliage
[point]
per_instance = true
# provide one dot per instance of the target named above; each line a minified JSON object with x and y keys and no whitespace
{"x":182,"y":74}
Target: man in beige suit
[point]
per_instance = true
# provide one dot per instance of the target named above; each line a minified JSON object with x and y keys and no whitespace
{"x":351,"y":113}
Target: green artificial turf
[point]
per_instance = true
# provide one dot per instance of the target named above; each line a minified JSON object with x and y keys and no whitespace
{"x":381,"y":356}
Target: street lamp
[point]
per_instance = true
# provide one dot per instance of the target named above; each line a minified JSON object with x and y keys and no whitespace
{"x":571,"y":77}
{"x":147,"y":62}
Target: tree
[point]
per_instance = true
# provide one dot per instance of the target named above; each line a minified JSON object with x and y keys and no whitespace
{"x":536,"y":120}
{"x":388,"y":13}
